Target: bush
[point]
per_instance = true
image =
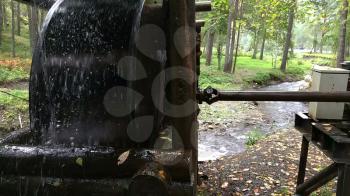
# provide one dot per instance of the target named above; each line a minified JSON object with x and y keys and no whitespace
{"x":263,"y":78}
{"x":319,"y":56}
{"x":295,"y":71}
{"x":12,"y":75}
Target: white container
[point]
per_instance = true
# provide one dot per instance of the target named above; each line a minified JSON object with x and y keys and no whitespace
{"x":326,"y":79}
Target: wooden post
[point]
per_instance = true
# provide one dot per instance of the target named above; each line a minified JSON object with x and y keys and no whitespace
{"x":182,"y":56}
{"x":303,"y":161}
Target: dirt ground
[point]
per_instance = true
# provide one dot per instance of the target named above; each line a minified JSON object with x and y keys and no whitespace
{"x":268,"y":168}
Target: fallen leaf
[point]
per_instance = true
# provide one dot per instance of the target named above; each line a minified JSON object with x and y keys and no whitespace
{"x":224,"y":185}
{"x":79,"y":161}
{"x":123,"y":157}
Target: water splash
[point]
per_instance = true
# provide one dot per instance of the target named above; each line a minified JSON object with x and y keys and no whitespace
{"x":74,"y":66}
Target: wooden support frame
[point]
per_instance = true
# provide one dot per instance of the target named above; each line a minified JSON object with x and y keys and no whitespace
{"x":25,"y":185}
{"x":91,"y":163}
{"x":334,"y":143}
{"x":183,"y":56}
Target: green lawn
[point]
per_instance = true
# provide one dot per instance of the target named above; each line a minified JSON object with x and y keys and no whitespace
{"x":12,"y":102}
{"x":252,"y":71}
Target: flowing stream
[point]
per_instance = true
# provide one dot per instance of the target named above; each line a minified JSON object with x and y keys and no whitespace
{"x":230,"y":139}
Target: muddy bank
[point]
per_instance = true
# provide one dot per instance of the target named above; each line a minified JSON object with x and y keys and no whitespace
{"x":21,"y":85}
{"x":226,"y":131}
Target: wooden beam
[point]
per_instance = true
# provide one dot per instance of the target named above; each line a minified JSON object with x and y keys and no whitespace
{"x":200,"y":23}
{"x":92,"y":163}
{"x":182,"y":58}
{"x":203,"y":6}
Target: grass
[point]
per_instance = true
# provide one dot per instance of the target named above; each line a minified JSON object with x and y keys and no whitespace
{"x":211,"y":76}
{"x":322,"y":59}
{"x":324,"y":191}
{"x":251,"y":72}
{"x":11,"y":102}
{"x":12,"y":109}
{"x":253,"y":137}
{"x":319,"y":56}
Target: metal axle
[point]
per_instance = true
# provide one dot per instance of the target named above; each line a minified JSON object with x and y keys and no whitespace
{"x":211,"y":95}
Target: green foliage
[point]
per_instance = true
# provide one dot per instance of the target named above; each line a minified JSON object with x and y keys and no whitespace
{"x":263,"y":78}
{"x":251,"y":71}
{"x":217,"y":19}
{"x":324,"y":191}
{"x":271,"y":15}
{"x":12,"y":75}
{"x":253,"y":137}
{"x":321,"y":59}
{"x":319,"y":56}
{"x":22,"y":44}
{"x":210,"y":76}
{"x":283,"y":191}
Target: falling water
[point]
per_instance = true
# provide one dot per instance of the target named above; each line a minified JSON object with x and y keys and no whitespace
{"x":77,"y":94}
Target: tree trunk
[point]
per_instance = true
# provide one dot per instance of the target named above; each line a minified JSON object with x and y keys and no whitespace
{"x":314,"y":43}
{"x":18,"y":9}
{"x":237,"y":47}
{"x":228,"y":63}
{"x":288,"y":38}
{"x":238,"y":37}
{"x":322,"y":42}
{"x":229,"y":36}
{"x":33,"y":25}
{"x":29,"y":11}
{"x":209,"y":48}
{"x":255,"y":52}
{"x":348,"y":47}
{"x":219,"y":54}
{"x":4,"y":15}
{"x":234,"y":28}
{"x":342,"y":33}
{"x":263,"y":46}
{"x":13,"y":28}
{"x":1,"y":21}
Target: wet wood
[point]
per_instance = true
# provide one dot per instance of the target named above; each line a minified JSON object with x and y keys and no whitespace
{"x":18,"y":137}
{"x":92,"y":163}
{"x":152,"y":179}
{"x":41,"y":186}
{"x":183,"y":57}
{"x":203,"y":6}
{"x":318,"y":181}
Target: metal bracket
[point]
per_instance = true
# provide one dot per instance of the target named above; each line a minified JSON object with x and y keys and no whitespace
{"x":208,"y":95}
